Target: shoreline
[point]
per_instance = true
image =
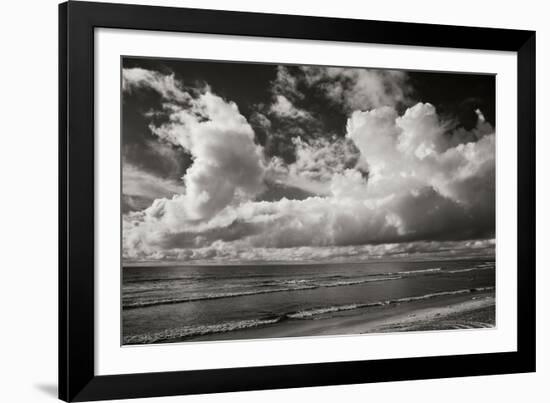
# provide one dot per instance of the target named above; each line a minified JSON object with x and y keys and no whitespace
{"x":469,"y":311}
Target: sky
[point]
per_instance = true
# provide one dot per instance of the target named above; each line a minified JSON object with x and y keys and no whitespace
{"x":242,"y":162}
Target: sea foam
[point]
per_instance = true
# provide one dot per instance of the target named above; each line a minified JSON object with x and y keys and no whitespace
{"x":187,"y":331}
{"x":305,"y":314}
{"x":200,"y":330}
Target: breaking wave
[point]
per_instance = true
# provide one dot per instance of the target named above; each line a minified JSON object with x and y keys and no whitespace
{"x":289,"y":285}
{"x":142,"y":304}
{"x":187,"y":331}
{"x":433,"y":270}
{"x":305,"y":314}
{"x":146,"y":303}
{"x":200,"y":330}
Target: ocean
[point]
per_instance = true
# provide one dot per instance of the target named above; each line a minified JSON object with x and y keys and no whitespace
{"x":184,"y":302}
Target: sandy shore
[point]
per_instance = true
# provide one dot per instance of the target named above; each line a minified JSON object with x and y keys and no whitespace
{"x":474,"y":310}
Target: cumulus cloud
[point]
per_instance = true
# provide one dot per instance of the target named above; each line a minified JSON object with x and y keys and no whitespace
{"x":445,"y":195}
{"x":359,"y":89}
{"x":286,"y":84}
{"x":166,"y":85}
{"x":282,"y":107}
{"x":397,"y":183}
{"x":334,"y":92}
{"x":316,"y":163}
{"x":227,"y":164}
{"x":404,"y":153}
{"x":352,"y":88}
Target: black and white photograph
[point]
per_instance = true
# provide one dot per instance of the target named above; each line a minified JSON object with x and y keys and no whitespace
{"x":268,"y":201}
{"x":243,"y":202}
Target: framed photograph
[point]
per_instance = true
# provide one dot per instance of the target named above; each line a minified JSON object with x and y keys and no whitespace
{"x":256,"y":201}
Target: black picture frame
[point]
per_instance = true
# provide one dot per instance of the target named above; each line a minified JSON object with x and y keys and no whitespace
{"x":77,"y":378}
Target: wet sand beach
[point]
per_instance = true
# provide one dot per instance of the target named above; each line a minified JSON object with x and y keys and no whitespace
{"x":466,"y":311}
